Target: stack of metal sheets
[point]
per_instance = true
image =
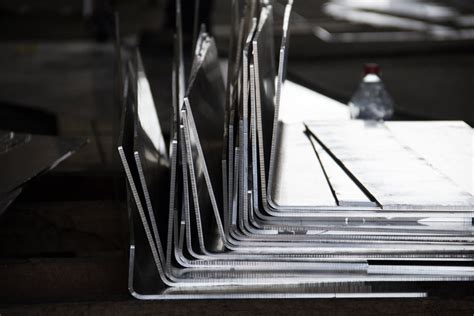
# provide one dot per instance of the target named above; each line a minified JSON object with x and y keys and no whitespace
{"x":240,"y":204}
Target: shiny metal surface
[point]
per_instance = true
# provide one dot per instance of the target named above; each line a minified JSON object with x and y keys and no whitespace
{"x":296,"y":163}
{"x":394,"y":21}
{"x":191,"y":163}
{"x":203,"y":223}
{"x":7,"y":199}
{"x":263,"y":47}
{"x":150,"y":155}
{"x":446,"y":145}
{"x":345,"y":191}
{"x":178,"y":74}
{"x":283,"y":59}
{"x":244,"y":126}
{"x":232,"y":100}
{"x":395,"y":175}
{"x":364,"y":220}
{"x":125,"y":149}
{"x":206,"y":99}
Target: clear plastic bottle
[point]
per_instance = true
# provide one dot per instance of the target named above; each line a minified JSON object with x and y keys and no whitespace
{"x":371,"y":100}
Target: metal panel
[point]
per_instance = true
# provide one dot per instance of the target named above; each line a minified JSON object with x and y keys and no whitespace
{"x":263,"y":52}
{"x":300,"y":179}
{"x":346,"y":191}
{"x":16,"y":152}
{"x":447,"y":145}
{"x":206,"y":96}
{"x":394,"y":174}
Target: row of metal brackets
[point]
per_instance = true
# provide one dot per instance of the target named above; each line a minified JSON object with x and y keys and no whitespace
{"x":203,"y":207}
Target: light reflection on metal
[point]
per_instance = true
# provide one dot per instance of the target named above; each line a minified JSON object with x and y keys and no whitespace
{"x":380,"y":19}
{"x":409,"y":8}
{"x":205,"y":226}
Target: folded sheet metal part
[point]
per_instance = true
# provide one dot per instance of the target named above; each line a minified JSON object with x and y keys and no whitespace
{"x":242,"y":204}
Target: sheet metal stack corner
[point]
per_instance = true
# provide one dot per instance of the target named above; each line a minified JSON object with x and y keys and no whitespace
{"x":207,"y":220}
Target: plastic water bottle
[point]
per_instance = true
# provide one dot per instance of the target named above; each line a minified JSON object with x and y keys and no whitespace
{"x":371,"y":100}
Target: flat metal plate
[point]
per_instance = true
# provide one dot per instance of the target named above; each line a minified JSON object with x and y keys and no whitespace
{"x":397,"y":176}
{"x":145,"y":283}
{"x":289,"y":257}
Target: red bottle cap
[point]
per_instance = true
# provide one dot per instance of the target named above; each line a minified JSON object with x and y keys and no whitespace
{"x":371,"y":68}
